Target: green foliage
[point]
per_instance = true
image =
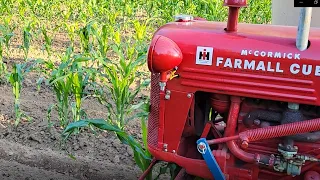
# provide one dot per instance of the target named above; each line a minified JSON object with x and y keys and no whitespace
{"x":6,"y":33}
{"x":47,"y":39}
{"x":71,"y":30}
{"x":3,"y":67}
{"x":119,"y":77}
{"x":141,"y":155}
{"x":173,"y":169}
{"x":101,"y":34}
{"x":84,"y":34}
{"x":26,"y":40}
{"x":15,"y":78}
{"x":68,"y":80}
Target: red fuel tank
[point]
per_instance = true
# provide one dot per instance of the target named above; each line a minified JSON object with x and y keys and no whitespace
{"x":257,"y":61}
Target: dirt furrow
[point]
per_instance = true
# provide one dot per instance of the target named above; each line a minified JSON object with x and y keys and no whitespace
{"x":44,"y":163}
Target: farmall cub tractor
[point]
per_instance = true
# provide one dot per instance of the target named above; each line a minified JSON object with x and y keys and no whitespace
{"x":236,"y":101}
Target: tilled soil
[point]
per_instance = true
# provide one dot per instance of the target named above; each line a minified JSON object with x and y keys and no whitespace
{"x":22,"y":162}
{"x":35,"y":151}
{"x":11,"y":170}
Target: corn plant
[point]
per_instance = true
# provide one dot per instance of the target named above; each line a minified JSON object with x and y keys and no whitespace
{"x":101,"y":35}
{"x":118,"y":97}
{"x":48,"y":41}
{"x":118,"y":80}
{"x":7,"y":33}
{"x":141,"y":29}
{"x":112,"y":16}
{"x":22,"y":8}
{"x":68,"y":81}
{"x":6,"y":7}
{"x":142,"y":156}
{"x":15,"y":78}
{"x":3,"y":67}
{"x":71,"y":30}
{"x":26,"y":40}
{"x":84,"y":33}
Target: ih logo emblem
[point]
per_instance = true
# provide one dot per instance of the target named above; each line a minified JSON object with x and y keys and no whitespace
{"x":204,"y":55}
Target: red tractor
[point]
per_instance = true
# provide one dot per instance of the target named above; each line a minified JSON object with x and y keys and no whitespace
{"x":236,"y":101}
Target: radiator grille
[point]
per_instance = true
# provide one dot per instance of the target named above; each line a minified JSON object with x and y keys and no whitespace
{"x":153,"y":122}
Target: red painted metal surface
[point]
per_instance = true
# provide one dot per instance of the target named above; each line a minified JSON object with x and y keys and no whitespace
{"x":272,"y":132}
{"x":230,"y":131}
{"x":312,"y":175}
{"x":148,"y":170}
{"x":235,"y":3}
{"x":281,"y":130}
{"x":282,"y":86}
{"x":233,"y":19}
{"x":233,"y":16}
{"x":154,"y":116}
{"x":163,"y":55}
{"x":161,"y":119}
{"x":175,"y":126}
{"x":220,"y":103}
{"x":232,"y":86}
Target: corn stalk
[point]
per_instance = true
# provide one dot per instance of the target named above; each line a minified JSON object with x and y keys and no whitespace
{"x":48,"y":40}
{"x":6,"y":31}
{"x":68,"y":81}
{"x":3,"y":67}
{"x":15,"y":78}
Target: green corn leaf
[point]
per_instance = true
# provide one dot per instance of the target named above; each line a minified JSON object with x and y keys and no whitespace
{"x":39,"y":82}
{"x":72,"y":157}
{"x":99,"y":123}
{"x":60,"y":78}
{"x":50,"y":124}
{"x":138,"y":106}
{"x":138,"y":159}
{"x":78,"y":59}
{"x":144,"y":132}
{"x":72,"y":126}
{"x":104,"y":125}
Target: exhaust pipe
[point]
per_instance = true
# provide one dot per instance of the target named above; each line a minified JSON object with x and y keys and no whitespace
{"x":233,"y":16}
{"x":304,"y":28}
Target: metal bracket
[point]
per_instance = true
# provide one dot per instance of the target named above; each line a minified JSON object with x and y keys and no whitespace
{"x":204,"y":148}
{"x":167,"y":96}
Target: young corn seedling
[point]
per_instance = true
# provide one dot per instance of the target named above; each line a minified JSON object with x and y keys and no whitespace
{"x":3,"y":67}
{"x":6,"y":31}
{"x":71,"y":29}
{"x":5,"y":7}
{"x":121,"y":108}
{"x":84,"y":33}
{"x":112,"y":17}
{"x":68,"y":81}
{"x":141,"y":29}
{"x":22,"y":8}
{"x":142,"y":156}
{"x":101,"y":35}
{"x":47,"y":40}
{"x":119,"y":78}
{"x":15,"y":78}
{"x":26,"y":40}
